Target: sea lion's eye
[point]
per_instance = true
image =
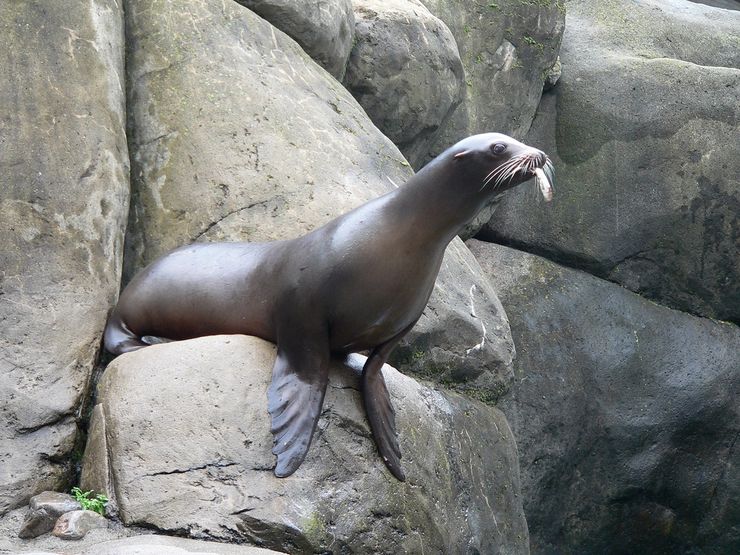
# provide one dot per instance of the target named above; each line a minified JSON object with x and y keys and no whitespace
{"x":498,"y":148}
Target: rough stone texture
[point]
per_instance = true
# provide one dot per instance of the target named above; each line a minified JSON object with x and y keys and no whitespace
{"x":188,"y":445}
{"x":324,"y":28}
{"x":405,"y":71}
{"x":164,"y":545}
{"x":76,"y":524}
{"x":10,"y":543}
{"x":236,"y":133}
{"x":263,"y":145}
{"x":97,"y":478}
{"x":626,"y":414}
{"x":63,"y":200}
{"x":725,"y":4}
{"x":44,"y":510}
{"x":644,"y":133}
{"x":505,"y":46}
{"x":218,"y":156}
{"x":462,"y":339}
{"x":113,"y":540}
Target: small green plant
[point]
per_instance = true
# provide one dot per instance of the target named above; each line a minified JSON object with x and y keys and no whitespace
{"x":96,"y":503}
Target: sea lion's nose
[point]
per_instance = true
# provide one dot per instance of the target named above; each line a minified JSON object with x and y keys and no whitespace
{"x":541,"y":158}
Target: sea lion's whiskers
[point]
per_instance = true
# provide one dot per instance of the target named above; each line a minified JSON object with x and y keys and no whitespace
{"x":502,"y":170}
{"x":509,"y":171}
{"x":494,"y":175}
{"x":499,"y":169}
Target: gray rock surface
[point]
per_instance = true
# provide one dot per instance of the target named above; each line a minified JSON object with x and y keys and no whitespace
{"x":643,"y":132}
{"x":724,"y":4}
{"x":505,"y":46}
{"x":507,"y":49}
{"x":324,"y":28}
{"x":43,"y":511}
{"x":114,"y":540}
{"x":626,"y":414}
{"x":10,"y":543}
{"x":63,"y":200}
{"x":405,"y":71}
{"x":165,"y":545}
{"x":462,"y":339}
{"x":188,"y":444}
{"x":210,"y":144}
{"x":75,"y":525}
{"x":262,"y":145}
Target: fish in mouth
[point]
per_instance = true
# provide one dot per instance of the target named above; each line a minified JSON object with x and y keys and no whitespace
{"x":530,"y":164}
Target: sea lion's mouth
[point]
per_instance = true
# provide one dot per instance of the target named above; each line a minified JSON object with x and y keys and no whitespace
{"x":525,"y":167}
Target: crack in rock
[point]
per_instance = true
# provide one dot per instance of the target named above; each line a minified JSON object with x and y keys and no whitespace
{"x":192,"y":469}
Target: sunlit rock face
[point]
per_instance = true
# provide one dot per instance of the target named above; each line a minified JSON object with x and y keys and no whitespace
{"x":63,"y":202}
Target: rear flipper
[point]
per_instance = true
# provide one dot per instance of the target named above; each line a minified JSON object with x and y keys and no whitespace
{"x":294,"y":399}
{"x":154,"y":340}
{"x":118,"y":339}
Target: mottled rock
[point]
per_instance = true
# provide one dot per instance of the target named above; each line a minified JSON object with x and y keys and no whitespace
{"x":189,"y":448}
{"x":643,"y":132}
{"x":44,"y":510}
{"x":405,"y":71}
{"x":210,"y":143}
{"x":324,"y":28}
{"x":625,"y":414}
{"x":63,"y":200}
{"x":552,"y":75}
{"x":97,"y":477}
{"x":76,"y":524}
{"x":462,"y":339}
{"x":505,"y":47}
{"x":262,"y":145}
{"x":166,"y":545}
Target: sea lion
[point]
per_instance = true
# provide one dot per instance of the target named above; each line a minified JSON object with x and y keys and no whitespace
{"x":358,"y":283}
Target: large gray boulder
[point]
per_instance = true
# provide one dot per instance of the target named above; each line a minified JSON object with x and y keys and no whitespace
{"x":324,"y":28}
{"x":626,"y":414}
{"x":405,"y":71}
{"x":264,"y":145}
{"x":506,"y":48}
{"x":643,"y":130}
{"x":186,"y":449}
{"x":63,"y":201}
{"x":236,"y":134}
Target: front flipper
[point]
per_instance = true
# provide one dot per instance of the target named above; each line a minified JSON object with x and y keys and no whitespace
{"x":294,"y":399}
{"x":378,"y":405}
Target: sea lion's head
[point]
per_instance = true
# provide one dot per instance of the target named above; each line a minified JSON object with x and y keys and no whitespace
{"x":499,"y":162}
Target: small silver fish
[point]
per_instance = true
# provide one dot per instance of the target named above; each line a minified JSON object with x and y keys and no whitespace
{"x":543,"y":183}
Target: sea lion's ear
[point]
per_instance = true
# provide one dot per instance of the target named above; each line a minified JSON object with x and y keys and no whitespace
{"x":462,"y":154}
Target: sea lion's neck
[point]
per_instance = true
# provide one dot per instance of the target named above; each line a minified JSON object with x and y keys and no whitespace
{"x":441,"y":198}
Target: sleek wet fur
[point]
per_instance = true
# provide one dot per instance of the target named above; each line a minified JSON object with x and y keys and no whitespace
{"x":358,"y":283}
